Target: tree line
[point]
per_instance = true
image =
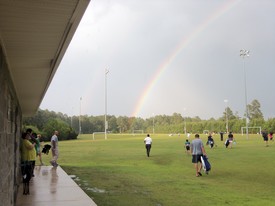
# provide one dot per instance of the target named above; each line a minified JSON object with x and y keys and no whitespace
{"x":45,"y":122}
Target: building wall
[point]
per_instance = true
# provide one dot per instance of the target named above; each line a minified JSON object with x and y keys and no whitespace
{"x":10,"y":135}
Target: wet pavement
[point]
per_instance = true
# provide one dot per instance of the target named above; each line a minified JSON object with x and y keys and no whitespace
{"x":52,"y":186}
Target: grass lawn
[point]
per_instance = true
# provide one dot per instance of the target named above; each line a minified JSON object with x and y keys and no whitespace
{"x":117,"y":171}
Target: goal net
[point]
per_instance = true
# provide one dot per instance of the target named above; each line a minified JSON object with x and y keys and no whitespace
{"x":137,"y":131}
{"x":99,"y":135}
{"x":252,"y":130}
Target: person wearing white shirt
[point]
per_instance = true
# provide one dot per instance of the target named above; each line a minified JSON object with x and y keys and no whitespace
{"x":148,"y":144}
{"x":55,"y":152}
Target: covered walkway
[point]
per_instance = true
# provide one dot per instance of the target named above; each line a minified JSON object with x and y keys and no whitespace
{"x":53,"y":186}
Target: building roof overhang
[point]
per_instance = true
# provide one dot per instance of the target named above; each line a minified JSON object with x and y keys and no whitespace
{"x":34,"y":36}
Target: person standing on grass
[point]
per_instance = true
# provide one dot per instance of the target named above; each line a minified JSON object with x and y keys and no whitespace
{"x":55,"y":152}
{"x":210,"y":141}
{"x":221,"y":133}
{"x":265,"y":137}
{"x":230,"y":139}
{"x":270,"y":136}
{"x":187,"y":146}
{"x":197,"y":150}
{"x":148,"y":144}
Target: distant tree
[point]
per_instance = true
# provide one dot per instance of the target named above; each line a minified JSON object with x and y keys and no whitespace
{"x":45,"y":122}
{"x":65,"y":131}
{"x":137,"y":124}
{"x":235,"y":125}
{"x":270,"y":125}
{"x":39,"y":119}
{"x":176,"y":118}
{"x":123,"y":123}
{"x":237,"y":116}
{"x":195,"y":127}
{"x":34,"y":128}
{"x":229,"y":113}
{"x":97,"y":124}
{"x":162,"y":120}
{"x":85,"y":125}
{"x":196,"y":119}
{"x":254,"y":110}
{"x":112,"y":124}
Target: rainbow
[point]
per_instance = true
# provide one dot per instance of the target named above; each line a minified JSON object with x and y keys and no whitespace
{"x":182,"y":44}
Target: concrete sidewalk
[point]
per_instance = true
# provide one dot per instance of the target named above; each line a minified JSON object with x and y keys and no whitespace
{"x":53,"y":186}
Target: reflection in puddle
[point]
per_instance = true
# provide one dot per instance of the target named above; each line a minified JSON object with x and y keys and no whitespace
{"x":54,"y":180}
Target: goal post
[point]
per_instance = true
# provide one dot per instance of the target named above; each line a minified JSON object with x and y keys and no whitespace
{"x":95,"y":133}
{"x":254,"y":128}
{"x":137,"y":131}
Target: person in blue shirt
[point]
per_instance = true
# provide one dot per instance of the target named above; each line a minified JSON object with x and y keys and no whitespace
{"x":187,"y":146}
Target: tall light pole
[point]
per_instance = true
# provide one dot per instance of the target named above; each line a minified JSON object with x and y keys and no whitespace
{"x":226,"y":114}
{"x":80,"y":116}
{"x":105,"y":121}
{"x":245,"y":53}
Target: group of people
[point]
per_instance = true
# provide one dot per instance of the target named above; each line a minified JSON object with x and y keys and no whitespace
{"x":211,"y":143}
{"x":196,"y":147}
{"x":30,"y":148}
{"x":267,"y":136}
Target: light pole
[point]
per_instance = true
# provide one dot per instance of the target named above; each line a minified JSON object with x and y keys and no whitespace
{"x":226,"y":115}
{"x":105,"y":121}
{"x":245,"y":53}
{"x":80,"y":116}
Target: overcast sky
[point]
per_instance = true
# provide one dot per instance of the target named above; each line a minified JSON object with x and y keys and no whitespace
{"x":167,"y":56}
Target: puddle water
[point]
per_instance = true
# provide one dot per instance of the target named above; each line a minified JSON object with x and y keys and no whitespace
{"x":86,"y":184}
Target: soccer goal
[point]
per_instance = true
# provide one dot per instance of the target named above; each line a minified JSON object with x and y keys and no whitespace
{"x":137,"y":131}
{"x":99,"y":135}
{"x":253,"y":130}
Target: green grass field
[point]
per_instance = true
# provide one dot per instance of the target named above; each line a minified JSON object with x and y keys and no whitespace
{"x":117,"y":171}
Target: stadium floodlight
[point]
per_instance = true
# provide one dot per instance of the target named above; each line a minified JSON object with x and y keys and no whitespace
{"x":105,"y":120}
{"x":245,"y":53}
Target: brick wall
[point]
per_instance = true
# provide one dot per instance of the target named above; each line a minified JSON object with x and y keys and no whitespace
{"x":10,"y":130}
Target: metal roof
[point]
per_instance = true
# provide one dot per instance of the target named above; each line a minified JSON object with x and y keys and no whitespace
{"x":35,"y":35}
